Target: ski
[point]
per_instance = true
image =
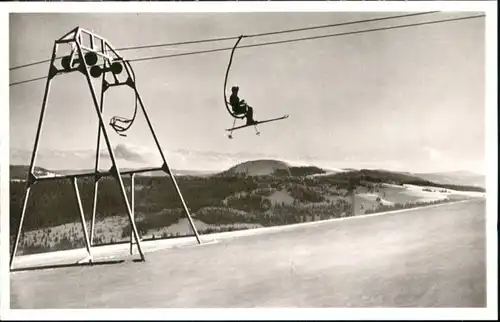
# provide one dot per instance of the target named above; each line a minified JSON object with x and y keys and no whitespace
{"x":257,"y":123}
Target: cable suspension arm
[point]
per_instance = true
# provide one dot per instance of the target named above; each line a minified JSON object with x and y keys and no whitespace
{"x":225,"y":80}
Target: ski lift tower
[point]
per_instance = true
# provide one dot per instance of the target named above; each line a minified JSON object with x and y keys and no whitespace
{"x":94,"y":57}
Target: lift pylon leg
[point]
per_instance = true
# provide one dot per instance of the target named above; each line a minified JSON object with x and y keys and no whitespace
{"x":97,"y":158}
{"x":82,"y":219}
{"x":132,"y":197}
{"x":31,"y":179}
{"x":167,"y":168}
{"x":116,"y":170}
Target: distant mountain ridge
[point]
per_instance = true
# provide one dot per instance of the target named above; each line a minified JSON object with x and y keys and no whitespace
{"x":465,"y":178}
{"x":269,"y":167}
{"x":19,"y":172}
{"x":258,"y":167}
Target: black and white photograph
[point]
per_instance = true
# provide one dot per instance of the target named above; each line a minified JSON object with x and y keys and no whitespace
{"x":249,"y":159}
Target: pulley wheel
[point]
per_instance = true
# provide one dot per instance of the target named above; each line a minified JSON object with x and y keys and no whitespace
{"x":91,"y":58}
{"x":65,"y":62}
{"x":116,"y":68}
{"x":95,"y":71}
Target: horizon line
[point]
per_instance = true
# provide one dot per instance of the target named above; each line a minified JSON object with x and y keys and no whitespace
{"x":290,"y":164}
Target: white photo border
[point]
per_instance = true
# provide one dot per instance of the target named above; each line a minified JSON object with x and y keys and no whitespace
{"x":491,"y":312}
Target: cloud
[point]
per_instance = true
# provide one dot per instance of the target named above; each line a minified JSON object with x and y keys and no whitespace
{"x":438,"y":160}
{"x":432,"y":153}
{"x":131,"y":153}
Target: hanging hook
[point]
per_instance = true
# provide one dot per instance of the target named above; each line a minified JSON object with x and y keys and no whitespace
{"x":128,"y":122}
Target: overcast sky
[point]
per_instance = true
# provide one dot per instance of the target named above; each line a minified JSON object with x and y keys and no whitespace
{"x":410,"y":99}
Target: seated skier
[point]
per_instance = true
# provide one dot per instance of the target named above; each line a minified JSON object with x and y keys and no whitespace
{"x":240,"y":106}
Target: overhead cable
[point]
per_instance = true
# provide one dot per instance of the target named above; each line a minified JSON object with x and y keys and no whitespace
{"x":199,"y":52}
{"x":247,"y":36}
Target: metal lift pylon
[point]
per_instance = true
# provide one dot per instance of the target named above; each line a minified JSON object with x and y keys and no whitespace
{"x":83,"y":58}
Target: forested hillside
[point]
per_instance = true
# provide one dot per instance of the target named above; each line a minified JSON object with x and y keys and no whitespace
{"x":227,"y":201}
